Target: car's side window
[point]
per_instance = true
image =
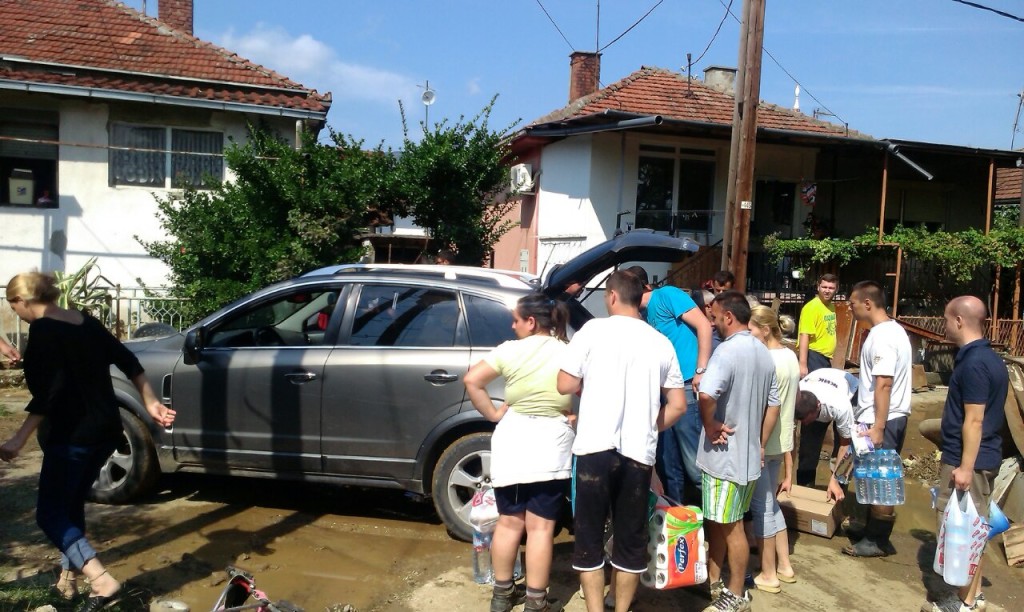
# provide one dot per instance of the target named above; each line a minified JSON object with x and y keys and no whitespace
{"x":490,"y":321}
{"x":297,"y":318}
{"x":395,"y":315}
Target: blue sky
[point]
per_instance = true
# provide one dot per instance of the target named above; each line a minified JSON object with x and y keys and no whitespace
{"x":930,"y":70}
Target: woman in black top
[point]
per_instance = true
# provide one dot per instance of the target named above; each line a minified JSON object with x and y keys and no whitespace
{"x":67,"y":368}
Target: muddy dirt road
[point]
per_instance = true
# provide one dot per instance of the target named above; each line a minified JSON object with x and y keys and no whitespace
{"x":327,"y":547}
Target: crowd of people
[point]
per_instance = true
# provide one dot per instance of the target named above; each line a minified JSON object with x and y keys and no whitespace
{"x":696,"y":396}
{"x":693,"y":395}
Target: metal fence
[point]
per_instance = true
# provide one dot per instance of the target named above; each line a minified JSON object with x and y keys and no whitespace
{"x":129,"y":309}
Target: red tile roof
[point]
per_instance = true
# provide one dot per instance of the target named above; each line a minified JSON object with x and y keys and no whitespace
{"x":1008,"y":184}
{"x":656,"y":91}
{"x":107,"y":45}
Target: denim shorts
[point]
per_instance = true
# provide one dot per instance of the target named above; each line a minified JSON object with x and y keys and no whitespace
{"x":543,"y":499}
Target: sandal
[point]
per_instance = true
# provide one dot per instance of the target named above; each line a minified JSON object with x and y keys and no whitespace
{"x":94,"y":602}
{"x":763,"y":585}
{"x":788,"y":579}
{"x":66,"y":587}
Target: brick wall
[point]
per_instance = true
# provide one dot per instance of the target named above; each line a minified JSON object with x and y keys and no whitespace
{"x":584,"y":73}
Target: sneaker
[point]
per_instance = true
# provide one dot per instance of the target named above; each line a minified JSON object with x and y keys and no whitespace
{"x":729,"y":602}
{"x":950,"y":602}
{"x":716,"y":589}
{"x":505,"y":600}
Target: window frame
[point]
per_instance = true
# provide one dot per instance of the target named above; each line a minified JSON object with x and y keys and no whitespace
{"x":679,"y":155}
{"x":168,"y":152}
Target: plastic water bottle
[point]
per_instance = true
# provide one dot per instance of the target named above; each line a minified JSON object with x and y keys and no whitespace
{"x":860,"y":475}
{"x":900,"y":493}
{"x":874,"y":483}
{"x":955,"y":555}
{"x":517,"y":570}
{"x":885,"y":484}
{"x":482,"y":572}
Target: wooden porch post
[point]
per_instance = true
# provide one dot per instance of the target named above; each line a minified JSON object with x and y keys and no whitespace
{"x":1015,"y":337}
{"x":988,"y":200}
{"x":896,"y":285}
{"x":885,"y":189}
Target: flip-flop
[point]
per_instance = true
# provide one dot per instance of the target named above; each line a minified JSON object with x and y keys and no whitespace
{"x":790,"y":579}
{"x":95,"y":603}
{"x":764,"y":586}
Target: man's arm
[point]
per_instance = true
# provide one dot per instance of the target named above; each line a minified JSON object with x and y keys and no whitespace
{"x":568,"y":384}
{"x":696,"y":320}
{"x":674,"y":408}
{"x":883,"y":395}
{"x":974,"y":416}
{"x":805,"y":342}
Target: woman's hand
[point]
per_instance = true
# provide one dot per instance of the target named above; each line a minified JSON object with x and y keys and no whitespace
{"x":10,"y":449}
{"x":786,"y":486}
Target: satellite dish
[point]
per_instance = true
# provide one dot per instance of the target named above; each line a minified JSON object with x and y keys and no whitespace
{"x":428,"y":97}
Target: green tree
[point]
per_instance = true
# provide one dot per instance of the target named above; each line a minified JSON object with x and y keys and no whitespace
{"x":452,"y":182}
{"x":286,"y":211}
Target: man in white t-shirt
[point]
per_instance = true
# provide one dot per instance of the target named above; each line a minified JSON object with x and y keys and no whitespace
{"x":883,"y":402}
{"x":623,"y":367}
{"x":826,"y":397}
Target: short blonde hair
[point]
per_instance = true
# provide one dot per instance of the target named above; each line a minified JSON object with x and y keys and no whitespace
{"x":763,"y":316}
{"x":33,"y":287}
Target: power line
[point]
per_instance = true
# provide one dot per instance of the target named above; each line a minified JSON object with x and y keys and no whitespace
{"x":803,"y":88}
{"x":551,"y":19}
{"x":715,"y":35}
{"x":989,"y":8}
{"x":651,"y":10}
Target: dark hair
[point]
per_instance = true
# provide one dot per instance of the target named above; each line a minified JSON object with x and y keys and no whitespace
{"x":735,"y":302}
{"x":870,"y":290}
{"x":806,"y":403}
{"x":639,"y":272}
{"x":445,"y":254}
{"x":627,"y":286}
{"x":550,"y":315}
{"x":723,"y":277}
{"x":828,"y":277}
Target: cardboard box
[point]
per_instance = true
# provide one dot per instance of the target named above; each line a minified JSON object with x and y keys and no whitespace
{"x":1013,"y":544}
{"x":806,"y":510}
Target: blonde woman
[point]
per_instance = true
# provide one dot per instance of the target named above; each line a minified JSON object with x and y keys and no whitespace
{"x":67,"y":369}
{"x":769,"y":524}
{"x":531,"y":449}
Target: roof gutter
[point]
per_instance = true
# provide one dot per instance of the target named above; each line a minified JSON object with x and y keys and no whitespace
{"x":625,"y":124}
{"x":127,"y":96}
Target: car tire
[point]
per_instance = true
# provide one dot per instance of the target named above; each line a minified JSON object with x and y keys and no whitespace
{"x":132,"y":469}
{"x":463,"y":469}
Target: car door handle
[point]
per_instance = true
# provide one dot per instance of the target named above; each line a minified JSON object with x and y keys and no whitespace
{"x":298,"y":378}
{"x":440,"y":377}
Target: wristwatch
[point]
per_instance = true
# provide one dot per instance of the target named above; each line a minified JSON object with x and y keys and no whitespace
{"x":699,"y":371}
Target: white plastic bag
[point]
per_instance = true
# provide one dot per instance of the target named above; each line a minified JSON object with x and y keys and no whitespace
{"x":960,"y":508}
{"x":483,"y":512}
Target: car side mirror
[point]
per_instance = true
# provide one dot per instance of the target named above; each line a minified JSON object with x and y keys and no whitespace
{"x":193,"y":345}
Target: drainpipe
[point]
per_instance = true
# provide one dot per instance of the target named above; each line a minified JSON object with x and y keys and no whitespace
{"x":895,"y":150}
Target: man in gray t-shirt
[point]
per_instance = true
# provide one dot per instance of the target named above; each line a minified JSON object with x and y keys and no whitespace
{"x":739,"y":405}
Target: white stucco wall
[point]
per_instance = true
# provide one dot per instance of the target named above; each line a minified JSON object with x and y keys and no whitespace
{"x":93,"y":218}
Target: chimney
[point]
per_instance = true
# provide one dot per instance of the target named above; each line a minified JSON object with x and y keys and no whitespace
{"x":721,"y":78}
{"x":176,"y":14}
{"x":584,"y":73}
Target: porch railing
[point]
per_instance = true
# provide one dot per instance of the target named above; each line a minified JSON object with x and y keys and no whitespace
{"x":129,"y":309}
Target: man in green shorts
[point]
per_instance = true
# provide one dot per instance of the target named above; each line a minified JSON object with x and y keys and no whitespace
{"x":737,"y":388}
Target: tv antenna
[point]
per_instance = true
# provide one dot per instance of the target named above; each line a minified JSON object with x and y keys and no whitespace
{"x":428,"y":97}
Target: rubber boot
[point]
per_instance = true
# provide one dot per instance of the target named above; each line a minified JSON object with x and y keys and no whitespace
{"x":875,"y":542}
{"x":503,"y":600}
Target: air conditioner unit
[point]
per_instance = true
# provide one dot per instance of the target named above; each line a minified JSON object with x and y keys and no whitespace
{"x":521,"y":178}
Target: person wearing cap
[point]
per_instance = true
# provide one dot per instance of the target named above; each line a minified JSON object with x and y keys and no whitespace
{"x":826,"y":396}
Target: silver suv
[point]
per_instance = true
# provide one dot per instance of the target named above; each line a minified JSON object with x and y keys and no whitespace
{"x":349,"y":375}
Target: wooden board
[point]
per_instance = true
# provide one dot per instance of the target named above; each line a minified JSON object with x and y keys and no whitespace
{"x":1013,"y":543}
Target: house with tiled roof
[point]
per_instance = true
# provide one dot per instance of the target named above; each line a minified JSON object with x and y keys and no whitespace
{"x":102,"y":108}
{"x":1008,"y":186}
{"x":652,"y":151}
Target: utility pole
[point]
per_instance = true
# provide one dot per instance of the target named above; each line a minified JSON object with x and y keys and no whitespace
{"x":746,"y":115}
{"x":734,"y":144}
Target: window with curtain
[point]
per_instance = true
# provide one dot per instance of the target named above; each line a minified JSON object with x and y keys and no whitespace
{"x":164,"y":157}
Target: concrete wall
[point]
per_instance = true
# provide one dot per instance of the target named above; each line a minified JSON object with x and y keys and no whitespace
{"x":93,"y":218}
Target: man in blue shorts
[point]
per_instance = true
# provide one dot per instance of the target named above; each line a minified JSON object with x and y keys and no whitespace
{"x":623,"y":367}
{"x":735,"y":392}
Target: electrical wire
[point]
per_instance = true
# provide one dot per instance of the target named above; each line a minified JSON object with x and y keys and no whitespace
{"x":988,"y":8}
{"x":715,"y":35}
{"x":552,"y":20}
{"x":803,"y":88}
{"x":651,"y":10}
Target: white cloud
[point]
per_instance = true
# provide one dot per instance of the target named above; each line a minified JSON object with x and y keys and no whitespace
{"x":315,"y":64}
{"x":473,"y":86}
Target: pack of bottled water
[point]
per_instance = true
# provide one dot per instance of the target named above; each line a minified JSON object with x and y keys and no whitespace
{"x":879,"y":478}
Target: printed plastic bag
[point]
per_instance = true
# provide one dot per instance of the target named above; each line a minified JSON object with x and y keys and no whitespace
{"x":483,"y":512}
{"x":962,"y":538}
